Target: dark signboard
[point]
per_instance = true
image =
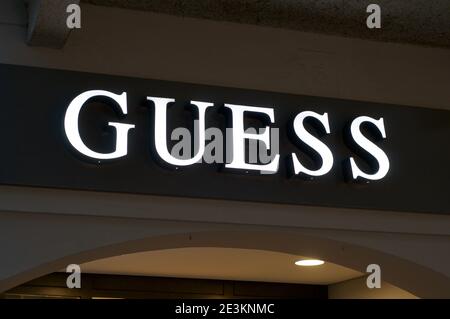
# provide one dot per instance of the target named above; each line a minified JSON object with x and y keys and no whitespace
{"x":36,"y":149}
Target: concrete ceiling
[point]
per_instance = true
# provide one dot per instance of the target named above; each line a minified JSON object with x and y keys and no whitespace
{"x":221,"y":263}
{"x":423,"y":22}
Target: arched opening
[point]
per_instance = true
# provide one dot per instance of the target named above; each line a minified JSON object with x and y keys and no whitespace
{"x":350,"y":259}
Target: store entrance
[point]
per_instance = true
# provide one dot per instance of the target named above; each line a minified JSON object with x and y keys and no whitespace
{"x":98,"y":286}
{"x":204,"y":273}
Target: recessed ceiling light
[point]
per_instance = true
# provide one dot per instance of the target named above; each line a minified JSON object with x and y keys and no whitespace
{"x":309,"y":262}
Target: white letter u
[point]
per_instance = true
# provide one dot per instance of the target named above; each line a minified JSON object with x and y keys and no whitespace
{"x":161,"y":131}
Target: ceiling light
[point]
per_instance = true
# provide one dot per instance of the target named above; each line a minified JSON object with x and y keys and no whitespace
{"x":309,"y":262}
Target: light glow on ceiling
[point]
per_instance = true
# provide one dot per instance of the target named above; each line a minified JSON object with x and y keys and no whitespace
{"x":309,"y":262}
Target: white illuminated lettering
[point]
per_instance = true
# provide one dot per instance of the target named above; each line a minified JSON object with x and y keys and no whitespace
{"x":71,"y":127}
{"x":239,"y":136}
{"x":313,"y":142}
{"x":370,"y":147}
{"x":235,"y":154}
{"x":161,"y":131}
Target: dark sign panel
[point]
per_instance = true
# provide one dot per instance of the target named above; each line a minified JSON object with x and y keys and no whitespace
{"x":85,"y":131}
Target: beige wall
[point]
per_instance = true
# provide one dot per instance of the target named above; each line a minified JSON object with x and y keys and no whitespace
{"x":42,"y":230}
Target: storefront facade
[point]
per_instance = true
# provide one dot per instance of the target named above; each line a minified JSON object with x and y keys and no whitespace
{"x":60,"y":206}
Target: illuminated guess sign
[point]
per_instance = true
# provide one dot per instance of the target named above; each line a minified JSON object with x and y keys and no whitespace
{"x":239,"y":136}
{"x":162,"y":138}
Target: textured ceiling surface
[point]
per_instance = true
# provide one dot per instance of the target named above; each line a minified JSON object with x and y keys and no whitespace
{"x":424,"y":22}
